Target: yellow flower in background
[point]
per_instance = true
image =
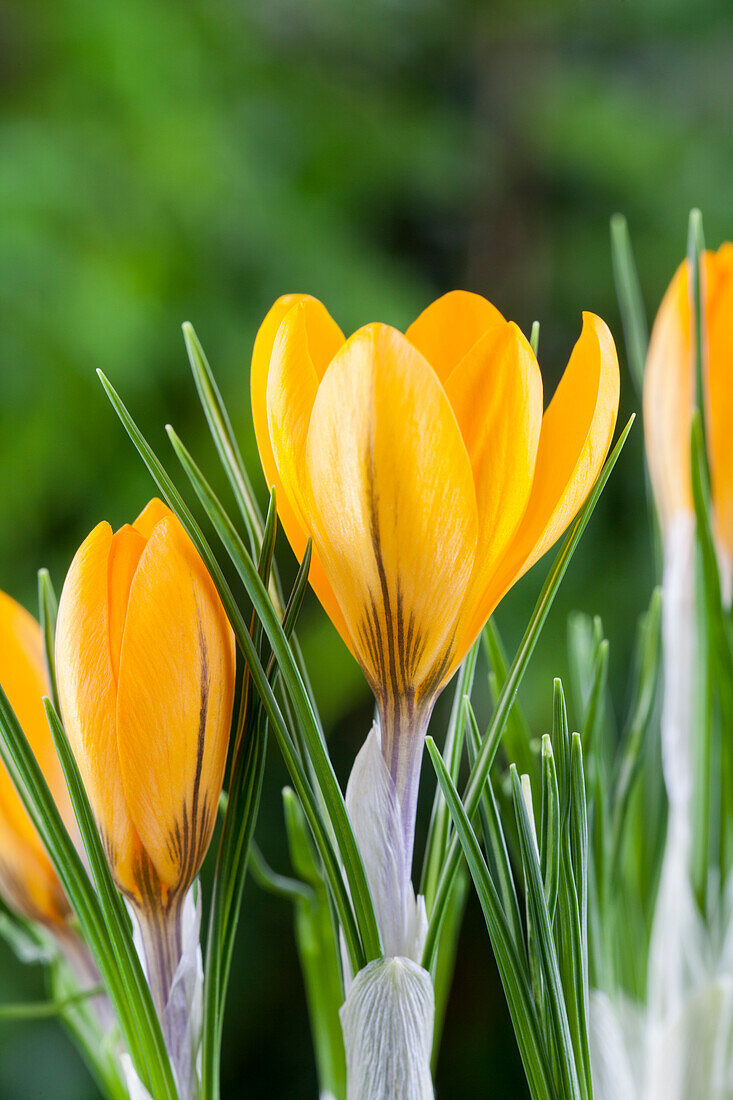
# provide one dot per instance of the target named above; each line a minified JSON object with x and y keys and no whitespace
{"x":28,"y":881}
{"x":145,"y":667}
{"x":423,"y":468}
{"x":669,"y":394}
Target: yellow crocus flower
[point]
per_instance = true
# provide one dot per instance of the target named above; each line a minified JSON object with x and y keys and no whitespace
{"x":145,"y":667}
{"x":669,"y":395}
{"x":28,"y":881}
{"x":429,"y":479}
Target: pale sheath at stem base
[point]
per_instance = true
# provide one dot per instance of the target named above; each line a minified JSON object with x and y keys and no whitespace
{"x":169,"y":948}
{"x":389,"y":1011}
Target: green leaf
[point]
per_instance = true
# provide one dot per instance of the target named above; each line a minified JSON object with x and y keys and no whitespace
{"x":47,"y":1010}
{"x":550,"y":827}
{"x":628,"y":290}
{"x":117,"y":921}
{"x":534,"y":339}
{"x":440,"y":818}
{"x":547,"y":955}
{"x":224,"y":438}
{"x":495,"y":841}
{"x":47,"y":611}
{"x":510,"y":965}
{"x":490,"y":743}
{"x":319,"y":952}
{"x":113,"y":950}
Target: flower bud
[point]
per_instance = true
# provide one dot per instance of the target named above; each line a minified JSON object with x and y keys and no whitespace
{"x":145,"y":666}
{"x":28,"y":881}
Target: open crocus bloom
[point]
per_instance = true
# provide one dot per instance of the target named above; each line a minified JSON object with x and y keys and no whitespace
{"x":28,"y":881}
{"x":669,"y":397}
{"x":430,"y":481}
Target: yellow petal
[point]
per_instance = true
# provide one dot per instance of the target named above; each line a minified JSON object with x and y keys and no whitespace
{"x":719,"y":269}
{"x":152,"y":514}
{"x":496,"y":395}
{"x":450,"y":326}
{"x":174,"y":703}
{"x":26,"y":875}
{"x":393,"y":507}
{"x":325,"y":338}
{"x":125,"y":549}
{"x":575,"y":436}
{"x":669,"y":387}
{"x":87,"y":694}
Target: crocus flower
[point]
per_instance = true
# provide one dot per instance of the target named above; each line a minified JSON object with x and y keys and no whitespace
{"x":669,"y":397}
{"x":428,"y":478}
{"x":145,"y":666}
{"x":27,"y":879}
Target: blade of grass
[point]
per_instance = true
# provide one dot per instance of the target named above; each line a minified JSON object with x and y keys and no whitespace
{"x":628,"y":290}
{"x":135,"y":1013}
{"x":547,"y":955}
{"x":511,"y":967}
{"x":225,"y":440}
{"x":490,"y":743}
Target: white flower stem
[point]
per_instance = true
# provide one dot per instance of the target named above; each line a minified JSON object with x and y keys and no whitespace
{"x":169,"y":948}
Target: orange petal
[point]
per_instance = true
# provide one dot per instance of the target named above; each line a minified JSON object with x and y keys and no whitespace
{"x":669,"y":388}
{"x":393,"y":507}
{"x":450,"y":326}
{"x":26,"y":875}
{"x":319,"y":351}
{"x":576,"y":434}
{"x":174,"y":703}
{"x":496,"y":395}
{"x":125,"y":549}
{"x":86,"y":686}
{"x":719,"y":268}
{"x":152,"y":514}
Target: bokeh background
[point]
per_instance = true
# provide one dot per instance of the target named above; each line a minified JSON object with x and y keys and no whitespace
{"x":163,"y":161}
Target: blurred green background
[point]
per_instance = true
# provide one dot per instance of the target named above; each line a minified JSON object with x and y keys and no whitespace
{"x":163,"y":161}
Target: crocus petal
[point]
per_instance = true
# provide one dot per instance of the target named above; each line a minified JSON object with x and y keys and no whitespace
{"x":496,"y":394}
{"x":174,"y":703}
{"x":576,"y":434}
{"x":393,"y":507}
{"x":26,"y":875}
{"x":669,"y":387}
{"x":450,"y":326}
{"x":720,"y":390}
{"x":125,"y":549}
{"x":322,"y":341}
{"x":86,"y":684}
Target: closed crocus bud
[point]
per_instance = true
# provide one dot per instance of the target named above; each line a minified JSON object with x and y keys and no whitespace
{"x":669,"y":398}
{"x":28,"y":881}
{"x":146,"y":667}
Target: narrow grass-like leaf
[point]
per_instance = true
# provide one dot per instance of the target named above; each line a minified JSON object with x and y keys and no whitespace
{"x":141,"y":1032}
{"x":517,"y":737}
{"x":550,"y":827}
{"x":358,"y":952}
{"x":47,"y":611}
{"x":116,"y":918}
{"x":628,"y":290}
{"x":490,"y":743}
{"x":511,"y":966}
{"x":494,"y":840}
{"x":224,"y":438}
{"x":282,"y":886}
{"x":320,"y":956}
{"x":534,"y":337}
{"x":547,"y":955}
{"x":440,"y":818}
{"x":46,"y":1010}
